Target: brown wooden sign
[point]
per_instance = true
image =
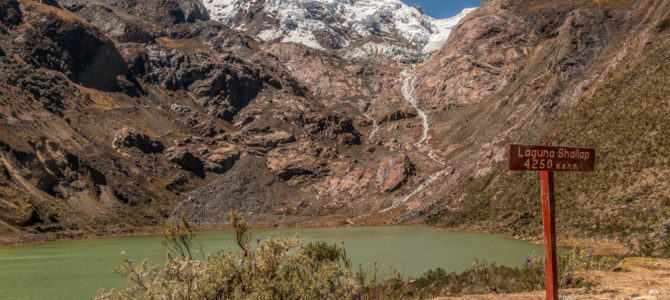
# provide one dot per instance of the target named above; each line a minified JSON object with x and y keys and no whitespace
{"x":547,"y":160}
{"x":550,"y":158}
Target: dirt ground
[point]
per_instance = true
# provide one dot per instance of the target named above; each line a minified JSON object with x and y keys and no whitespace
{"x":633,"y":278}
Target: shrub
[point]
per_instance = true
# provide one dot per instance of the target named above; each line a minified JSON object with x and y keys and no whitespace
{"x":276,"y":269}
{"x":656,"y":243}
{"x":177,"y":237}
{"x":488,"y":278}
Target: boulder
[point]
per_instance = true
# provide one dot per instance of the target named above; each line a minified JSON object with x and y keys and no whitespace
{"x":186,"y":160}
{"x":129,"y":138}
{"x":404,"y":113}
{"x":335,"y":126}
{"x":270,"y":141}
{"x":294,"y":160}
{"x":393,"y":172}
{"x":222,"y":159}
{"x":19,"y":214}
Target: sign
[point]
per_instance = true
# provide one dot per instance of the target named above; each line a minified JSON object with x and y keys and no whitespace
{"x":550,"y":158}
{"x":547,"y":160}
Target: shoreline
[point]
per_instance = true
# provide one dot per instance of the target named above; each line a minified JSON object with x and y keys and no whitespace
{"x":601,"y":247}
{"x":33,"y":239}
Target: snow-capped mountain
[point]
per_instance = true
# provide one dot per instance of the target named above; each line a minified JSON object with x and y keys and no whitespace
{"x":358,"y":28}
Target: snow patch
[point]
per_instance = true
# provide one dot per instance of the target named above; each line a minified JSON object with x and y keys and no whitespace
{"x":269,"y":34}
{"x":373,"y":49}
{"x":444,"y":28}
{"x":302,"y":37}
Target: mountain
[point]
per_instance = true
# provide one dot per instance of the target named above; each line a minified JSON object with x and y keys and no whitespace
{"x":359,"y":29}
{"x":116,"y":115}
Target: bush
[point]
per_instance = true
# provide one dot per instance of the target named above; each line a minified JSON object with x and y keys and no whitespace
{"x":276,"y":269}
{"x":656,"y":243}
{"x":177,"y":237}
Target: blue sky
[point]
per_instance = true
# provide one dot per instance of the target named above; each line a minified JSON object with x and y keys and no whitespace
{"x":441,"y":9}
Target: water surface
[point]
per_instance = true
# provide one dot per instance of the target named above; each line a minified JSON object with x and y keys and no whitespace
{"x":77,"y":269}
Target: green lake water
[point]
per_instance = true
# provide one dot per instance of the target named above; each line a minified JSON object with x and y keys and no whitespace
{"x":77,"y":269}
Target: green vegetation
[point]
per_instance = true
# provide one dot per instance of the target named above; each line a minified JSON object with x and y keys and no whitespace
{"x":485,"y":278}
{"x":277,"y":268}
{"x":655,"y":244}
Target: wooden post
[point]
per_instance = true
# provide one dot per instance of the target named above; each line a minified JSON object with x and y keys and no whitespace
{"x":549,"y":221}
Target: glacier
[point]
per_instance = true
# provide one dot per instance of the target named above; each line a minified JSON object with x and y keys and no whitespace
{"x":347,"y":20}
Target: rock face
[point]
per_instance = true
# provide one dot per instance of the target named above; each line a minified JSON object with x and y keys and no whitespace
{"x":393,"y":172}
{"x":186,"y":160}
{"x":223,"y":83}
{"x":127,"y":138}
{"x":222,"y":159}
{"x":60,"y":41}
{"x":160,"y":12}
{"x":295,"y":160}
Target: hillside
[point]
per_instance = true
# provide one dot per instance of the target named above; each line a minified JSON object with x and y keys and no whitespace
{"x":599,"y":78}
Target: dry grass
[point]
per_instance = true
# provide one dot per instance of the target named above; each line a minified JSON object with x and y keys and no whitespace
{"x":534,"y":5}
{"x":61,"y":13}
{"x":633,"y":277}
{"x":182,"y":44}
{"x":620,"y":4}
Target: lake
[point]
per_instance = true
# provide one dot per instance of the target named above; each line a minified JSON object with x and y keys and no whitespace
{"x":77,"y":269}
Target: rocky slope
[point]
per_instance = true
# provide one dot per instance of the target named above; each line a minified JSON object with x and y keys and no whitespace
{"x":116,"y":115}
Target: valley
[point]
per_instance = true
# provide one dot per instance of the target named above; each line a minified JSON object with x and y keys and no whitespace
{"x":116,"y":116}
{"x":367,"y":121}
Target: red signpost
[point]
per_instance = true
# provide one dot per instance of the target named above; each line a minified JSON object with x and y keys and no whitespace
{"x":547,"y":160}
